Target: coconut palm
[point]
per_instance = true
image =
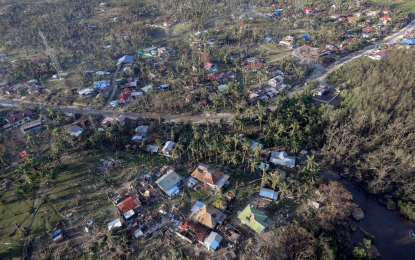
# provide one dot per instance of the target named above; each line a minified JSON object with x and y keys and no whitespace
{"x":219,"y":202}
{"x":284,"y":190}
{"x":310,"y":163}
{"x":273,"y":179}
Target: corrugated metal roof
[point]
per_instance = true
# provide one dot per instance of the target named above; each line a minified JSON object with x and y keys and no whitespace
{"x":268,"y":193}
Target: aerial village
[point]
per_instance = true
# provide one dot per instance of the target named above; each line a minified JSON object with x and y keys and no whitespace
{"x":199,"y":205}
{"x":143,"y":76}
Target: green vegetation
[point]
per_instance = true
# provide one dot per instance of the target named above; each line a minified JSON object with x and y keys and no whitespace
{"x":371,"y":133}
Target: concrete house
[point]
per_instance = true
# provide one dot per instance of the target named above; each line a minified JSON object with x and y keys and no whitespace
{"x":170,"y":183}
{"x":282,"y":158}
{"x":168,"y":148}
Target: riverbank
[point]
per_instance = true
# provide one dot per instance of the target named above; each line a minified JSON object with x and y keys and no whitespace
{"x":391,"y":231}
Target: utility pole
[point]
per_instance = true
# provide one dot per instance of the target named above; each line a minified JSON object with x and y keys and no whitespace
{"x":55,"y":62}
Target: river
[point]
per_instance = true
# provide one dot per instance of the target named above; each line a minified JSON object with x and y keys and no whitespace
{"x":390,"y":230}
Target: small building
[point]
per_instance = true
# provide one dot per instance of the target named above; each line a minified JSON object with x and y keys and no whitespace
{"x":212,"y":241}
{"x":408,"y":41}
{"x":114,"y":224}
{"x":267,"y":193}
{"x":147,"y":89}
{"x":282,"y":158}
{"x":75,"y":130}
{"x":262,"y":165}
{"x":380,"y":54}
{"x":17,"y":118}
{"x":207,"y":215}
{"x":152,"y":51}
{"x":109,"y":120}
{"x":127,"y":206}
{"x":169,"y":23}
{"x":222,"y":88}
{"x":210,"y":67}
{"x":124,"y":98}
{"x":86,"y":91}
{"x":162,"y":51}
{"x":125,"y":60}
{"x":32,"y":126}
{"x":168,"y":148}
{"x":170,"y":183}
{"x":309,"y":10}
{"x":278,"y":80}
{"x":141,"y":132}
{"x":385,"y":19}
{"x":152,"y":148}
{"x":57,"y":236}
{"x":212,"y":177}
{"x":192,"y":232}
{"x":254,"y":218}
{"x":101,"y":84}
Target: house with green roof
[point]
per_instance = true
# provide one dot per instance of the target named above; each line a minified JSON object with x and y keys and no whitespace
{"x":254,"y":218}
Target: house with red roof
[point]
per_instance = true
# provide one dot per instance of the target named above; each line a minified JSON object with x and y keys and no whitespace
{"x":127,"y":206}
{"x":367,"y":29}
{"x":380,"y":54}
{"x":192,"y":232}
{"x":212,"y":76}
{"x":387,"y":11}
{"x":385,"y":19}
{"x":169,"y":23}
{"x":210,"y":67}
{"x":309,"y":10}
{"x":124,"y":98}
{"x":17,"y":118}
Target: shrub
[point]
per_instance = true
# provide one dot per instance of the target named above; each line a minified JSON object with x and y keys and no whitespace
{"x":407,"y":209}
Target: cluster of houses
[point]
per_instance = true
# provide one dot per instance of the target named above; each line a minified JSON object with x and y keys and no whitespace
{"x":204,"y":225}
{"x":274,"y":86}
{"x":153,"y":51}
{"x":30,"y":87}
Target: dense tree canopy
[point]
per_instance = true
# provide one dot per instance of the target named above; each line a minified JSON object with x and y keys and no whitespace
{"x":372,"y":133}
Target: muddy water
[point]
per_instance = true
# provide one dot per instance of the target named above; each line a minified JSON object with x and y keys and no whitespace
{"x":390,"y":230}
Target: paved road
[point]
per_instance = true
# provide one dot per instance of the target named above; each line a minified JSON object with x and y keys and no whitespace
{"x":109,"y":112}
{"x":320,"y":74}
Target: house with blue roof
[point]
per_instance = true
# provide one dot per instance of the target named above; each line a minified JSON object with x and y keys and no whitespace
{"x":125,"y":59}
{"x":408,"y":41}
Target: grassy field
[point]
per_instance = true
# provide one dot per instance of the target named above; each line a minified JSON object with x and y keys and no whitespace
{"x":80,"y":180}
{"x":395,"y":4}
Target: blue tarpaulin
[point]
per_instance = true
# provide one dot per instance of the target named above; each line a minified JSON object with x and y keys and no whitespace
{"x":409,"y":41}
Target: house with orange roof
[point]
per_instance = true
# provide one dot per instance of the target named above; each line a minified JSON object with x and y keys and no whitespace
{"x":207,"y":215}
{"x":127,"y":206}
{"x":213,"y":178}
